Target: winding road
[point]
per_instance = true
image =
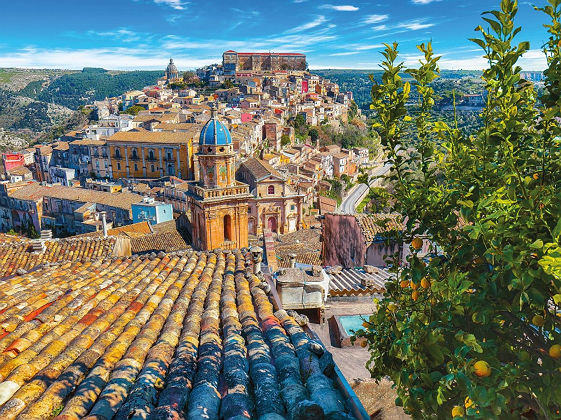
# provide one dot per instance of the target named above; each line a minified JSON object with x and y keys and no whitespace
{"x":350,"y":203}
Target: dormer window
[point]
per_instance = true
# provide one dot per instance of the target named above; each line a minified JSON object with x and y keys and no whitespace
{"x":271,"y":190}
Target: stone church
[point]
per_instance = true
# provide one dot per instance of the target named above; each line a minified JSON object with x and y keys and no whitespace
{"x":218,"y":202}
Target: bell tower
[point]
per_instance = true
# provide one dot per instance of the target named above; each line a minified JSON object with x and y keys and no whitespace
{"x":218,"y":202}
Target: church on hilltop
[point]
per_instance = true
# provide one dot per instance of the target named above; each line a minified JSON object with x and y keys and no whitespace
{"x":218,"y":202}
{"x":171,"y":71}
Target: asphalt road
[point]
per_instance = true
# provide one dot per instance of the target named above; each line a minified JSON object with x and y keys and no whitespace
{"x":350,"y":203}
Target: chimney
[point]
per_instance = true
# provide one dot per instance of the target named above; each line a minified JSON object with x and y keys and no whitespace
{"x":257,"y":254}
{"x":104,"y":223}
{"x":292,"y":260}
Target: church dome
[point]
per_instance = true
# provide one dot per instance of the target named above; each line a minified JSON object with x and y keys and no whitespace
{"x":171,"y":69}
{"x":215,"y":133}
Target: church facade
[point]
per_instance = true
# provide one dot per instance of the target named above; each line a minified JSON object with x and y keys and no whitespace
{"x":218,"y":202}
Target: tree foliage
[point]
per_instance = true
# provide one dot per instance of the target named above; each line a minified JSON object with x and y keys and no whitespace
{"x":470,"y":331}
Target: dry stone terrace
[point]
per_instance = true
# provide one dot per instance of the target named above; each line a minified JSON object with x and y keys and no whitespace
{"x":185,"y":335}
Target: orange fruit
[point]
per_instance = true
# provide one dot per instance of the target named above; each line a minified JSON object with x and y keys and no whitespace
{"x":425,"y":283}
{"x":415,"y":295}
{"x":414,"y":286}
{"x":457,"y":411}
{"x":365,"y":324}
{"x":536,"y":176}
{"x":363,"y":343}
{"x":468,"y":402}
{"x":482,"y":369}
{"x":555,"y":351}
{"x":404,"y":284}
{"x":538,"y":320}
{"x":417,"y":243}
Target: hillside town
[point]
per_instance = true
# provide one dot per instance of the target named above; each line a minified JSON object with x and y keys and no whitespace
{"x":214,"y":175}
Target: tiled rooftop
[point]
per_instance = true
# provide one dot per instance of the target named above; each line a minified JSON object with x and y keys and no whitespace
{"x":35,"y":191}
{"x":373,"y":225}
{"x":184,"y":335}
{"x":19,"y":254}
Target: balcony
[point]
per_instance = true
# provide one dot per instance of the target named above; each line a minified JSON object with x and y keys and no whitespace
{"x":169,"y":159}
{"x":134,"y":157}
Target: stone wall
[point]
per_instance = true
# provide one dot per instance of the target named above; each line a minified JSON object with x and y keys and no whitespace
{"x":343,"y":243}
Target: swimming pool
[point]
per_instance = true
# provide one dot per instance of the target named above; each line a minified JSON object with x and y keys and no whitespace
{"x":352,"y":322}
{"x":342,"y":326}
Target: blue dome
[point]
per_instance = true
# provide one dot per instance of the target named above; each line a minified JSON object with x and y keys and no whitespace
{"x":215,"y":133}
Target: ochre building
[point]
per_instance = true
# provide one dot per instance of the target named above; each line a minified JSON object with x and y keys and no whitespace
{"x":151,"y":154}
{"x":217,"y":202}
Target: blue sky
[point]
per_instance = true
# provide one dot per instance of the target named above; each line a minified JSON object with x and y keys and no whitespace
{"x":143,"y":34}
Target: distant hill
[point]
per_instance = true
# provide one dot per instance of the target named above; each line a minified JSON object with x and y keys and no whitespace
{"x":358,"y":82}
{"x":93,"y":84}
{"x":34,"y":101}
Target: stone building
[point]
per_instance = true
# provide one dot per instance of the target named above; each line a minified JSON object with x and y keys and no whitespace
{"x":233,"y":62}
{"x":171,"y":71}
{"x":274,"y":205}
{"x":217,"y":202}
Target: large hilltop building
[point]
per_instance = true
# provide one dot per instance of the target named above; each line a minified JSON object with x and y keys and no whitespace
{"x":218,"y":203}
{"x":171,"y":71}
{"x":233,"y":62}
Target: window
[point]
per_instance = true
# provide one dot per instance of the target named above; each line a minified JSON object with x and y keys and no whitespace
{"x":118,"y":166}
{"x":293,"y":207}
{"x":134,"y":154}
{"x":152,"y":168}
{"x":227,"y":228}
{"x":135,"y":167}
{"x":271,"y":189}
{"x":151,"y":157}
{"x":117,"y":153}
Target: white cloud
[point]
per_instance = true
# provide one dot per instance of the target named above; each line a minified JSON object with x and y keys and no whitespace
{"x":174,"y":4}
{"x":108,"y":58}
{"x":341,"y":8}
{"x":368,"y":47}
{"x":319,"y":20}
{"x":415,"y":25}
{"x":344,"y":53}
{"x":380,"y":28}
{"x":123,"y":34}
{"x":372,"y":19}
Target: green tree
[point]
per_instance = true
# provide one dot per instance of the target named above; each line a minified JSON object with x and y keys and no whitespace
{"x":285,"y":140}
{"x":474,"y":331}
{"x":313,"y":133}
{"x":133,"y":110}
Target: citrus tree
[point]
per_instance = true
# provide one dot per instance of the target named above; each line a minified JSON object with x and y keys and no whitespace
{"x":474,"y":330}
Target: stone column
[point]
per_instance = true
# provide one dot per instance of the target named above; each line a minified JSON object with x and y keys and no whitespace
{"x":127,"y":161}
{"x":161,"y":161}
{"x":178,"y":160}
{"x":143,"y":162}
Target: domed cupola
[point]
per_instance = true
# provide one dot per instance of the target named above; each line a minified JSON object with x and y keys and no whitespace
{"x":171,"y":70}
{"x":215,"y":133}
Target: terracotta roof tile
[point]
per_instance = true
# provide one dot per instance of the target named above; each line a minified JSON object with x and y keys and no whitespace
{"x":20,"y":255}
{"x":373,"y":225}
{"x":171,"y":336}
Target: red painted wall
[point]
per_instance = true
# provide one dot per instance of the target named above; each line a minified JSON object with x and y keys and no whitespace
{"x":12,"y":160}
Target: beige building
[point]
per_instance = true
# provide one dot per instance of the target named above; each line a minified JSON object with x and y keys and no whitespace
{"x":275,"y":205}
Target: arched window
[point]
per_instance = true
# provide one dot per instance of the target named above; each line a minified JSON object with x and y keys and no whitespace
{"x":134,"y":154}
{"x":227,"y":228}
{"x":271,"y":189}
{"x":151,"y":156}
{"x":117,"y":153}
{"x":152,"y":168}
